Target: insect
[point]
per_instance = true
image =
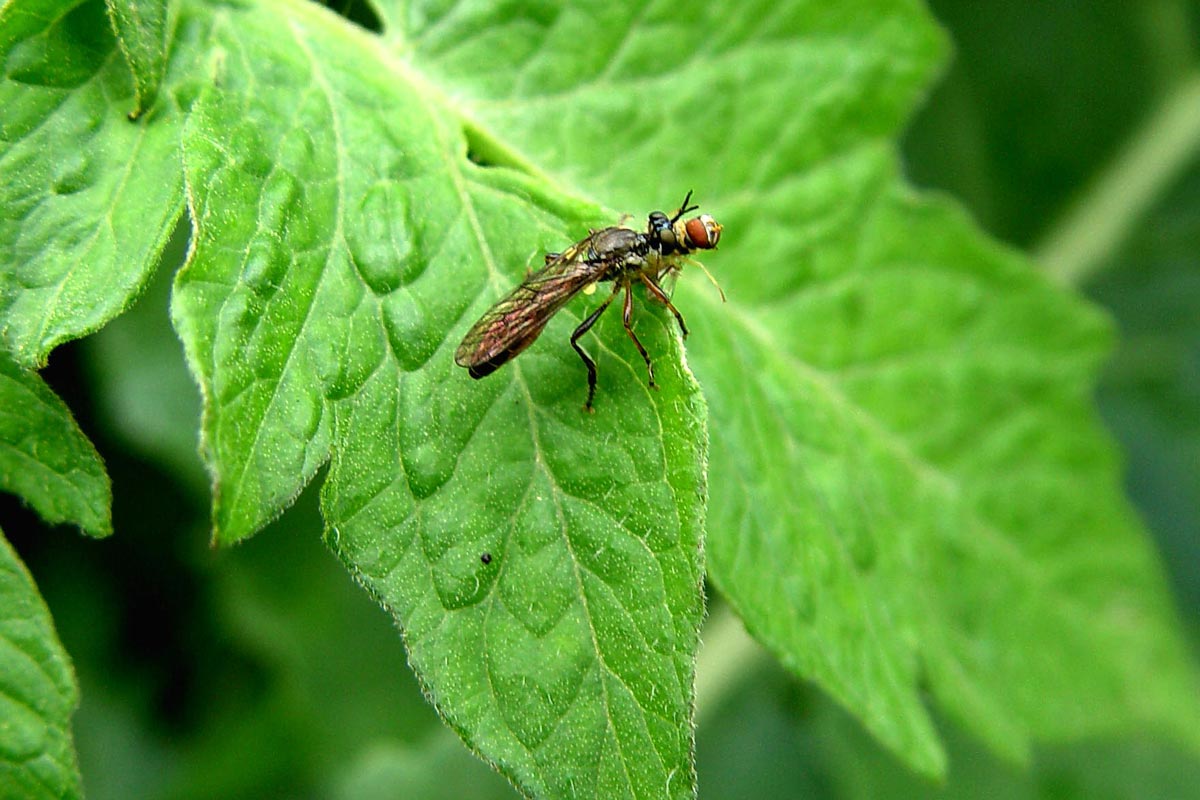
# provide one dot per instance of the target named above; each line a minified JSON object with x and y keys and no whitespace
{"x":618,"y":254}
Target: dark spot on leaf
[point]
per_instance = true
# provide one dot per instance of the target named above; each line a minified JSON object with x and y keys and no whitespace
{"x":486,"y":558}
{"x":360,"y":12}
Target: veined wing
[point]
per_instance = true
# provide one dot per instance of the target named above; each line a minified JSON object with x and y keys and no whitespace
{"x":517,"y":319}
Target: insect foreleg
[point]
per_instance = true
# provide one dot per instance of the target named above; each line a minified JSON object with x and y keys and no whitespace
{"x":629,"y":329}
{"x":661,"y":297}
{"x":583,"y":328}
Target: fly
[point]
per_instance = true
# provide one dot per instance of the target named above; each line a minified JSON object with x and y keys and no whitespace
{"x":618,"y":254}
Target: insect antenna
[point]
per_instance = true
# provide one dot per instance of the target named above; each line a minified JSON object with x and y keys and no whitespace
{"x":683,"y":209}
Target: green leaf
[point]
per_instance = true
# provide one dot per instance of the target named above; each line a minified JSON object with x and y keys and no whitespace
{"x":37,"y":692}
{"x":638,"y":102}
{"x":141,"y":29}
{"x":858,"y":559}
{"x":89,"y":197}
{"x":910,"y":486}
{"x":339,"y":252}
{"x":45,"y":459}
{"x":1137,"y":767}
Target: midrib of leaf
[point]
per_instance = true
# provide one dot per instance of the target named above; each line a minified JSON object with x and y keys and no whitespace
{"x":583,"y":599}
{"x":436,"y":97}
{"x":601,"y":663}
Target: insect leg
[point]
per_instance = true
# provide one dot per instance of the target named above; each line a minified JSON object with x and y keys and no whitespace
{"x":629,"y":329}
{"x":583,"y":328}
{"x":661,"y":297}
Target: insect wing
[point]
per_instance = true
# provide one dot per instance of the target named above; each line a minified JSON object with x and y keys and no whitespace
{"x":517,"y":319}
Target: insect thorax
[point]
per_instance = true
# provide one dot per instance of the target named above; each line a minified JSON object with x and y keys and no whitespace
{"x":620,"y":250}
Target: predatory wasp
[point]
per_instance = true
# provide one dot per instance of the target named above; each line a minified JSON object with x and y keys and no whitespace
{"x":617,"y":254}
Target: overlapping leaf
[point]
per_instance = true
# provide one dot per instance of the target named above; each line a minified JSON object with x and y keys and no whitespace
{"x":37,"y":692}
{"x":50,"y":464}
{"x":88,"y":197}
{"x":948,"y":509}
{"x":141,"y":27}
{"x":45,"y":459}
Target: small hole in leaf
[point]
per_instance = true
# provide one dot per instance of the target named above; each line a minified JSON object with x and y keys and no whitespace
{"x":485,"y":151}
{"x":360,"y":12}
{"x":476,"y":158}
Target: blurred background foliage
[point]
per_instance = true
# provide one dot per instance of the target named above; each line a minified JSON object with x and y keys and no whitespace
{"x":263,"y":671}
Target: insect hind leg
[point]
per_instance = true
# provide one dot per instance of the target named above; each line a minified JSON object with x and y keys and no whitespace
{"x":583,"y":328}
{"x":628,"y":316}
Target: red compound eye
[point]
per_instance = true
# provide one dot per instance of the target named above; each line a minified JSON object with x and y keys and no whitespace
{"x":703,"y":231}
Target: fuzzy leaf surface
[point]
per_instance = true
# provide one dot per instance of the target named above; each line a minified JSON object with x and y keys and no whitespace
{"x":909,"y":485}
{"x":88,"y":197}
{"x":543,"y":563}
{"x":45,"y":459}
{"x":38,"y":692}
{"x":141,"y":30}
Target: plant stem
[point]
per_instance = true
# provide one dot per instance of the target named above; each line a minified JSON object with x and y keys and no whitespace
{"x":1158,"y":152}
